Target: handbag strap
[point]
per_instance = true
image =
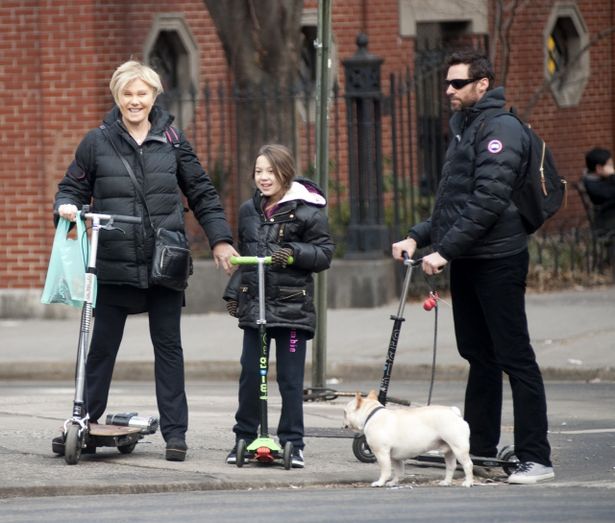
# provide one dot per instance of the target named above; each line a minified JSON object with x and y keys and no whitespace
{"x":131,"y":174}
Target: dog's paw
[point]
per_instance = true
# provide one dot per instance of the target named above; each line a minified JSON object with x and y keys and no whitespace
{"x":392,"y":483}
{"x":468,"y":483}
{"x":445,"y":483}
{"x":378,"y":483}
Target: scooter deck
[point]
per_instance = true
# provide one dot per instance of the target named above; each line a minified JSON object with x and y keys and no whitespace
{"x":98,"y":429}
{"x":479,"y":461}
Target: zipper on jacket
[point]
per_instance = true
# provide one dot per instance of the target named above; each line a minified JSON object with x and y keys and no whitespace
{"x":301,"y":292}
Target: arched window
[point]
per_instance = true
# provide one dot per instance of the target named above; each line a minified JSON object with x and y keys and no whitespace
{"x":566,"y":54}
{"x":171,"y":51}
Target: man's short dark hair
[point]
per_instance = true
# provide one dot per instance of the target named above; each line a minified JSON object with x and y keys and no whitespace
{"x":479,"y":64}
{"x":596,"y":156}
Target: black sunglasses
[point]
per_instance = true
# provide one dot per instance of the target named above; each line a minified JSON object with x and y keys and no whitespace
{"x":460,"y":83}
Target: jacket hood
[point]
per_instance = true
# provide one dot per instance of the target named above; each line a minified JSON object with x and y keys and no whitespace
{"x":158,"y":117}
{"x":305,"y":190}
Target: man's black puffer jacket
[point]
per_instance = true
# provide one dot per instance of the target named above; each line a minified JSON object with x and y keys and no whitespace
{"x":474,"y":216}
{"x":162,"y":169}
{"x":299,"y":223}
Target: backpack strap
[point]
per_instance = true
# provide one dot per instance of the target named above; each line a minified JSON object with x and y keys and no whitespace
{"x":172,"y":136}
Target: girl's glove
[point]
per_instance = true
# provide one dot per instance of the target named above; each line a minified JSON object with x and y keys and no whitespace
{"x":279,"y":258}
{"x":231,"y":307}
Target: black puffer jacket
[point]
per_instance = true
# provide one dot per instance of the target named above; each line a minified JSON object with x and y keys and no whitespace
{"x":97,"y":174}
{"x":474,"y":216}
{"x":299,"y":223}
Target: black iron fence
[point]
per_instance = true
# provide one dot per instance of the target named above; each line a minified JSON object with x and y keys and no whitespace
{"x":409,"y":171}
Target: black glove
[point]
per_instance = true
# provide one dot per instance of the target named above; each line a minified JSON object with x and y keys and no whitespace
{"x":231,"y":307}
{"x":280,"y":257}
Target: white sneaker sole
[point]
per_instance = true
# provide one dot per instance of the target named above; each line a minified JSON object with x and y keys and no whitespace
{"x":530,"y":480}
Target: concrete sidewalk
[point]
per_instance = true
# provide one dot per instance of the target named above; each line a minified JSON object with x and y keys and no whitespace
{"x":573,"y":334}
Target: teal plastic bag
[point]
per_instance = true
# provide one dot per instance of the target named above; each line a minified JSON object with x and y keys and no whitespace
{"x":66,"y":274}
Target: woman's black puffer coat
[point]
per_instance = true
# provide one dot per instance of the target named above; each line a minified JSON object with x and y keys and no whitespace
{"x":474,"y":216}
{"x":300,"y":224}
{"x":162,"y":169}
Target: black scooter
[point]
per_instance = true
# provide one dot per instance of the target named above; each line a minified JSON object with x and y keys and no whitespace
{"x":505,"y":458}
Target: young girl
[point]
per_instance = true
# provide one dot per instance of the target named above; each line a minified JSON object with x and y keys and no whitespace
{"x":284,"y":218}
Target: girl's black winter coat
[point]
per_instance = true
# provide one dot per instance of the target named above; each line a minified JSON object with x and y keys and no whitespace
{"x":300,"y":226}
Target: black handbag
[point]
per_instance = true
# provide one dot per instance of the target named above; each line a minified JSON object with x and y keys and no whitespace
{"x":172,"y":260}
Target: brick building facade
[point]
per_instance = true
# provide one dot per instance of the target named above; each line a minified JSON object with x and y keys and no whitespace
{"x":57,"y":57}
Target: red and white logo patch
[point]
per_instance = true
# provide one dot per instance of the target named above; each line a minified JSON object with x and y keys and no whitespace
{"x":494,"y":146}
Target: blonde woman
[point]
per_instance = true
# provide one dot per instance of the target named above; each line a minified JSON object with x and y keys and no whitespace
{"x":162,"y":161}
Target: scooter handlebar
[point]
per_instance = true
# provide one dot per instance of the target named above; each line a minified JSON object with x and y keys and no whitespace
{"x":120,"y":218}
{"x":410,"y":261}
{"x":253,"y":260}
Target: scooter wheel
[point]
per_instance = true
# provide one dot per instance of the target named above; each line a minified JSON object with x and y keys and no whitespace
{"x":507,"y":454}
{"x":288,"y":455}
{"x":361,"y":449}
{"x":72,"y":445}
{"x":241,"y":452}
{"x":127,"y":449}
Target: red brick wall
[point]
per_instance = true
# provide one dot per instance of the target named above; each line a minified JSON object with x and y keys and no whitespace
{"x":574,"y":130}
{"x":56,"y":57}
{"x":56,"y":60}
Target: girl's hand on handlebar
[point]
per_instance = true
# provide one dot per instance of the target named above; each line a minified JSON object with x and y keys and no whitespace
{"x":408,"y":245}
{"x":68,"y":211}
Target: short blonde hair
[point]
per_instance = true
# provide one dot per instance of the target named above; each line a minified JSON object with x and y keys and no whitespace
{"x":133,"y":70}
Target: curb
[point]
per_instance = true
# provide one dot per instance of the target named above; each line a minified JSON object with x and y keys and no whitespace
{"x":229,"y":370}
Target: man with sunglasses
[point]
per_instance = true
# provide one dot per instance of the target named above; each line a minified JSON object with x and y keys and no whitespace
{"x":476,"y":228}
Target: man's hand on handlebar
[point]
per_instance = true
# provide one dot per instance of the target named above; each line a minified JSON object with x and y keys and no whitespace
{"x":408,"y":245}
{"x":434,"y":263}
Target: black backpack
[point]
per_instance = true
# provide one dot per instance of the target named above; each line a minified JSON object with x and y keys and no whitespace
{"x":540,"y":191}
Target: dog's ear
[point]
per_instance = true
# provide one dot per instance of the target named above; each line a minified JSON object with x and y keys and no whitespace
{"x":372,"y":395}
{"x":358,"y":399}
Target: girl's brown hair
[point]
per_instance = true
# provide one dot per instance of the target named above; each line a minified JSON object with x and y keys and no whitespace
{"x":281,"y":159}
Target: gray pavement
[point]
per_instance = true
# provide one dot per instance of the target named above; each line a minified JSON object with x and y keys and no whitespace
{"x":573,"y":333}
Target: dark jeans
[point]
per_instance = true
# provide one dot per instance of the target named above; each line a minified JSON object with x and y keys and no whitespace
{"x":290,"y":364}
{"x":164,"y":310}
{"x":491,"y":329}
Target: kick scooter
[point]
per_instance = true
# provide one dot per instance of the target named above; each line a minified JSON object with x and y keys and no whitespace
{"x":263,"y":449}
{"x":505,"y":457}
{"x":121,"y":430}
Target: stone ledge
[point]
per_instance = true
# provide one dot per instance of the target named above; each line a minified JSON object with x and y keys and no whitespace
{"x":350,"y":284}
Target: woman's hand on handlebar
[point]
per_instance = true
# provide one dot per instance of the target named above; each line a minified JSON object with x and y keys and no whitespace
{"x":408,"y":245}
{"x":222,"y":256}
{"x":68,"y":211}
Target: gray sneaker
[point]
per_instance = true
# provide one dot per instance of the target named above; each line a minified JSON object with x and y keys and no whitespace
{"x":528,"y":473}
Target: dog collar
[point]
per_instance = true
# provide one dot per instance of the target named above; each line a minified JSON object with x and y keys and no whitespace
{"x":371,"y":414}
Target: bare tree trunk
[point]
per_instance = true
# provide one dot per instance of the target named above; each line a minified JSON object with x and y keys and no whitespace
{"x":261,"y":40}
{"x":504,"y":17}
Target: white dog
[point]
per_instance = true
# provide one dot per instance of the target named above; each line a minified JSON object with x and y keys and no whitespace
{"x":402,"y":433}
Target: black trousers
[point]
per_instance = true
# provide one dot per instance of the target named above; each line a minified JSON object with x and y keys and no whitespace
{"x":290,"y":365}
{"x":491,"y":329}
{"x":164,"y":310}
